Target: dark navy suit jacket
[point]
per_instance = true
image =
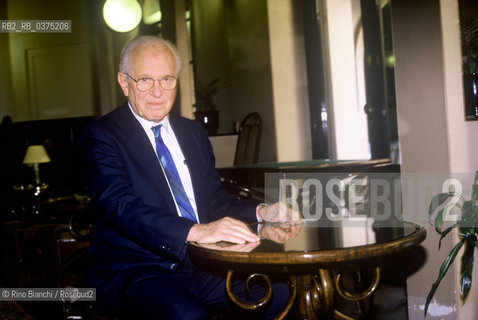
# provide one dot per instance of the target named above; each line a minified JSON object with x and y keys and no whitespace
{"x":137,"y":224}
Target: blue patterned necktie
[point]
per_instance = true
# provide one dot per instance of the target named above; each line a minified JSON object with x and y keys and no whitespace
{"x":172,"y":174}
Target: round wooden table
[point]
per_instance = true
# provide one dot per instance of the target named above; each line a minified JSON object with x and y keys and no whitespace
{"x":307,"y":254}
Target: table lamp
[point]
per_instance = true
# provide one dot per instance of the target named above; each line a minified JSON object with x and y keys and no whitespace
{"x":35,"y":155}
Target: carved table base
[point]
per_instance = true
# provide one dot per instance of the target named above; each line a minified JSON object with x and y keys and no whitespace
{"x":314,"y":294}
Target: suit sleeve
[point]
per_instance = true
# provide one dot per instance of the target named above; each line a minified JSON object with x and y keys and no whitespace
{"x":129,"y":212}
{"x":219,"y":203}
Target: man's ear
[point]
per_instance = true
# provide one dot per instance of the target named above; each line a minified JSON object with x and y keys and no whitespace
{"x":123,"y":83}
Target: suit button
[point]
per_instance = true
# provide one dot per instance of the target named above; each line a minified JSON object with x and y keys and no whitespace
{"x":173,"y":266}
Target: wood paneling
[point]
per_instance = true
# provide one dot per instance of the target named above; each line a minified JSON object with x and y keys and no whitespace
{"x":60,"y":82}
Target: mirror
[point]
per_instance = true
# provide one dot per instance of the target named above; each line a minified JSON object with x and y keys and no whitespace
{"x":350,"y":112}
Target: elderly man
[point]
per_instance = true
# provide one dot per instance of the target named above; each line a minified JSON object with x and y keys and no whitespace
{"x":154,"y":187}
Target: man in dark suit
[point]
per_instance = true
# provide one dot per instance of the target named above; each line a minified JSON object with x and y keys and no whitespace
{"x":137,"y":258}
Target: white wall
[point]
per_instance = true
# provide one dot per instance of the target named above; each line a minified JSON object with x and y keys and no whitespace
{"x":433,"y":135}
{"x":463,"y":155}
{"x":289,"y":83}
{"x":40,"y":79}
{"x":422,"y":131}
{"x":186,"y":80}
{"x":347,"y":83}
{"x":462,"y":134}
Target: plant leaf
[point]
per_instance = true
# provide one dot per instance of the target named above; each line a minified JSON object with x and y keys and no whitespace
{"x":474,"y":204}
{"x":466,"y":269}
{"x":443,"y":270}
{"x":467,"y":209}
{"x":437,"y":201}
{"x":474,"y":219}
{"x":474,"y":193}
{"x":468,"y":220}
{"x":445,"y":232}
{"x":439,"y":219}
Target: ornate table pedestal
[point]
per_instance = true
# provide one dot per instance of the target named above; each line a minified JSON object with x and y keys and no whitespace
{"x":315,"y":274}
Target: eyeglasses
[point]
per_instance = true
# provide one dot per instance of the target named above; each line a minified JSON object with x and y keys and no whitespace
{"x":145,"y":83}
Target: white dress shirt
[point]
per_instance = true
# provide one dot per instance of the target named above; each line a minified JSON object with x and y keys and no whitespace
{"x":169,"y":138}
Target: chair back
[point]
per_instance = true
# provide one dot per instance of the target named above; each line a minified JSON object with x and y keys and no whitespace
{"x":249,"y":140}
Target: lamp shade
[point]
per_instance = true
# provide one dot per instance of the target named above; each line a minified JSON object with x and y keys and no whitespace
{"x":122,"y":15}
{"x":36,"y":154}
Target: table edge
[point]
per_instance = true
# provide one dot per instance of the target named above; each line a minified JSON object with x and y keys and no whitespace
{"x":323,"y":256}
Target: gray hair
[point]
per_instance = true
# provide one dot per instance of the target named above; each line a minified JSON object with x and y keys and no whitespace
{"x":141,"y":40}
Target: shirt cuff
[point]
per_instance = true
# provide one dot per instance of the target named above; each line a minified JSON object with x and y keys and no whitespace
{"x":257,"y":212}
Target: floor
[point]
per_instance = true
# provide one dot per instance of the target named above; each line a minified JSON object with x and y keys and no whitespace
{"x":389,"y":303}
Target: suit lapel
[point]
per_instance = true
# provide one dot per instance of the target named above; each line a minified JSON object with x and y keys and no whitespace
{"x":146,"y":158}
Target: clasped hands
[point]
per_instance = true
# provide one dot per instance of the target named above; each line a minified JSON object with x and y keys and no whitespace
{"x":234,"y":231}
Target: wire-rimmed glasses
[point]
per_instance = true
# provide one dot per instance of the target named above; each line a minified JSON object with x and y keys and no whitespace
{"x":146,"y":83}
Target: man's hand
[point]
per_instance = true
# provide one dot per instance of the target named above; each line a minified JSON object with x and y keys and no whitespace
{"x":279,"y":233}
{"x":242,"y":247}
{"x":279,"y":212}
{"x":225,"y":229}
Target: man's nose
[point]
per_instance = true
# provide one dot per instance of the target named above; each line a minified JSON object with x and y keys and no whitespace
{"x":156,"y":90}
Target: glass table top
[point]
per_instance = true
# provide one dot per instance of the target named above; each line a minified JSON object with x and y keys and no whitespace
{"x":310,"y":241}
{"x":311,"y":236}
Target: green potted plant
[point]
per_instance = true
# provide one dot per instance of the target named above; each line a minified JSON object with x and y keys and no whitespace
{"x":441,"y":205}
{"x":206,"y":111}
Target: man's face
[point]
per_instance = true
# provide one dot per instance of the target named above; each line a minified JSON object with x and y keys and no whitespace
{"x":154,"y":61}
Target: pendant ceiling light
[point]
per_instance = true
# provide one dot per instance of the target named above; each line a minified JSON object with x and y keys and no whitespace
{"x":122,"y":15}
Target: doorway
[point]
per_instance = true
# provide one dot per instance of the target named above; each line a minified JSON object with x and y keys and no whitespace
{"x":351,"y":91}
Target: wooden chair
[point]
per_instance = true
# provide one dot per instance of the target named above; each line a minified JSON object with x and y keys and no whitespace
{"x":249,"y":140}
{"x":73,"y":273}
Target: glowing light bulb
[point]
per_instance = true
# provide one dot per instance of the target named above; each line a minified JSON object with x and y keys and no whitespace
{"x":122,"y":15}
